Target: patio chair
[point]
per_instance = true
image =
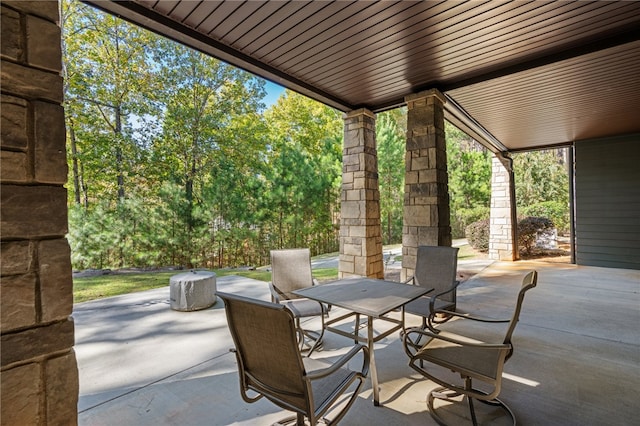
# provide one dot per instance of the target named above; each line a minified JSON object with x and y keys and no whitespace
{"x":436,"y":268}
{"x":471,"y":358}
{"x":271,"y":366}
{"x":291,"y":270}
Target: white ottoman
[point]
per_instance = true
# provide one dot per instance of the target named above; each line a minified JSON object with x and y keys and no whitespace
{"x":191,"y":291}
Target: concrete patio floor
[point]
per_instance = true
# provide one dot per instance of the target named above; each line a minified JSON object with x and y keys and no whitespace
{"x":576,"y":361}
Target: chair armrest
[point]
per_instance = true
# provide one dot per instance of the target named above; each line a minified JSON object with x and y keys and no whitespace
{"x":412,"y":279}
{"x":481,"y":345}
{"x":275,"y":297}
{"x":471,"y":317}
{"x":432,"y":302}
{"x":342,"y":361}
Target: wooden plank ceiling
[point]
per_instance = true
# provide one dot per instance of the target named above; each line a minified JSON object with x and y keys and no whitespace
{"x":518,"y":75}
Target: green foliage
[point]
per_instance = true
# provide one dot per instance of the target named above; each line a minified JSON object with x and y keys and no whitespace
{"x":391,"y":149}
{"x":469,"y":171}
{"x":477,"y":234}
{"x":302,"y":174}
{"x":108,"y":85}
{"x":541,"y":176}
{"x":461,"y":218}
{"x":528,"y":229}
{"x":557,"y":212}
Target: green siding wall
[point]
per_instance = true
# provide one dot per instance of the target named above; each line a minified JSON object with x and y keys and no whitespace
{"x":607,"y":187}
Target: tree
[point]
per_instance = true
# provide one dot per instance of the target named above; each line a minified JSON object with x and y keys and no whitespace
{"x":303,"y":172}
{"x":469,"y":172}
{"x":540,"y":176}
{"x":391,"y":150}
{"x":542,"y":186}
{"x":107,"y":86}
{"x":208,"y":105}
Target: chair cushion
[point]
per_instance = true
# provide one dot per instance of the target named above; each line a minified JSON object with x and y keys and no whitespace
{"x":479,"y":363}
{"x":325,"y":389}
{"x":304,"y":307}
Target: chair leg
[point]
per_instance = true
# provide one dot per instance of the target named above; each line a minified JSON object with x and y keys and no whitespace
{"x":356,"y":328}
{"x":468,"y":386}
{"x":305,"y":337}
{"x":297,"y":420}
{"x":318,"y":339}
{"x":448,"y":395}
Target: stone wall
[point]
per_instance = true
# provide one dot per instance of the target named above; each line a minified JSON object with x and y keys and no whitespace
{"x":39,"y":376}
{"x":360,"y":230}
{"x":426,"y":195}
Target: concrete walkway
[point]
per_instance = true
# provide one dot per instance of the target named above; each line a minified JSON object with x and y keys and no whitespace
{"x":577,"y":358}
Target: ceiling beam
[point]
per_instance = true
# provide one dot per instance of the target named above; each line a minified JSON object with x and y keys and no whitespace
{"x":457,"y":116}
{"x":623,"y":35}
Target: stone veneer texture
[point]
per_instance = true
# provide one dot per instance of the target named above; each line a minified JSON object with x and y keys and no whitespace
{"x":39,"y":375}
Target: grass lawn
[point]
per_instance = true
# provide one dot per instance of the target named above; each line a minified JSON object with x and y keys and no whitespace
{"x":98,"y":287}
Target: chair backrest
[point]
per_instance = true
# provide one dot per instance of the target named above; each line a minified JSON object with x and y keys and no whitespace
{"x":528,"y":282}
{"x":436,"y":267}
{"x":269,"y":361}
{"x":291,"y":270}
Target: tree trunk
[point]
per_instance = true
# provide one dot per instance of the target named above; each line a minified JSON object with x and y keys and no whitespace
{"x":74,"y":162}
{"x":119,"y":156}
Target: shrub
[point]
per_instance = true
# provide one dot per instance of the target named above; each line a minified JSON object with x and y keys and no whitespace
{"x":528,"y":229}
{"x":477,"y":234}
{"x":461,"y":218}
{"x":557,"y":211}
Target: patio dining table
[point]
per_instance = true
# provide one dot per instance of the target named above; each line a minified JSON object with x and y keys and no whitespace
{"x":371,"y":297}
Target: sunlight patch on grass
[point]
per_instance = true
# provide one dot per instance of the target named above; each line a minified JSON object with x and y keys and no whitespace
{"x":90,"y":288}
{"x":467,"y":252}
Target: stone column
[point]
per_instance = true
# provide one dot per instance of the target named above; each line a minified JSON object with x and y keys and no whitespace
{"x":426,"y":190}
{"x":503,"y":219}
{"x":39,"y":384}
{"x":360,"y":231}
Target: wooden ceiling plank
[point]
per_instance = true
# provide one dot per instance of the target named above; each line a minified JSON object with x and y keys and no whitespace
{"x":419,"y":33}
{"x":183,"y":9}
{"x":435,"y":72}
{"x":603,"y":66}
{"x":216,"y":18}
{"x":435,"y":75}
{"x":364,"y":38}
{"x":287,"y":23}
{"x":267,"y":23}
{"x":200,"y":15}
{"x":253,"y":20}
{"x":163,"y":7}
{"x":420,"y":49}
{"x":331,"y":32}
{"x":525,"y":48}
{"x":236,"y":20}
{"x":395,"y":48}
{"x":303,"y":29}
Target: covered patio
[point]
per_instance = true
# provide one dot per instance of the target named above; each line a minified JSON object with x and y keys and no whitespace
{"x":576,"y":361}
{"x":514,"y":75}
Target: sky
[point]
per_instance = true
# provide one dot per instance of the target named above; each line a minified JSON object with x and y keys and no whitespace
{"x":273,"y":93}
